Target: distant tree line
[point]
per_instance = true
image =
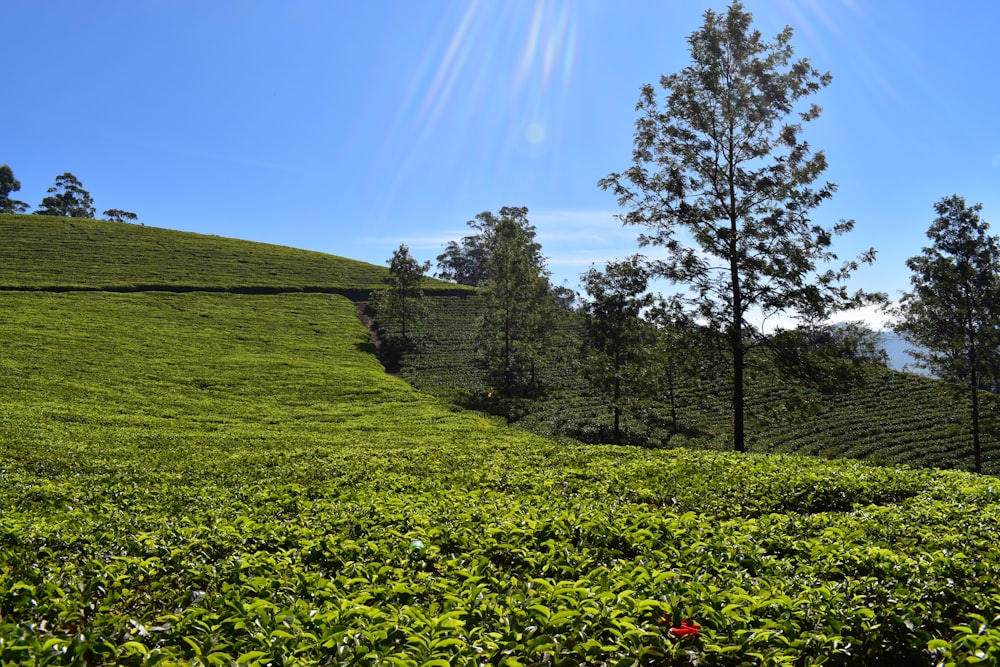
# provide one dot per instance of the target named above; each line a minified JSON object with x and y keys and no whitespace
{"x":67,"y":198}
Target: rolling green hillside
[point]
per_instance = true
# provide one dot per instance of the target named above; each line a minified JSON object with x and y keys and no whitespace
{"x":214,"y":478}
{"x":40,"y":252}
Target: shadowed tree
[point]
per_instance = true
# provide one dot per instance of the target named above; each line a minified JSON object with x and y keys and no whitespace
{"x":953,"y":312}
{"x":67,"y":198}
{"x":9,"y":184}
{"x":681,"y":352}
{"x":616,"y":338}
{"x":401,"y":301}
{"x":724,"y":183}
{"x":514,"y":298}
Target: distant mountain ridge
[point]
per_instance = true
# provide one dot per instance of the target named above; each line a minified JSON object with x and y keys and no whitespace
{"x":898,"y":350}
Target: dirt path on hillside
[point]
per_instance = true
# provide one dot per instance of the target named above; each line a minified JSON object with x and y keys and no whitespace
{"x":389,"y":362}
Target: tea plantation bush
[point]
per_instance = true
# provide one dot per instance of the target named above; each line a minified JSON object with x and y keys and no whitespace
{"x":195,"y":479}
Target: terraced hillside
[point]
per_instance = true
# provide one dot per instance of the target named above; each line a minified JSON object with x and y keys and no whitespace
{"x":216,"y":478}
{"x":893,"y":417}
{"x":40,"y":252}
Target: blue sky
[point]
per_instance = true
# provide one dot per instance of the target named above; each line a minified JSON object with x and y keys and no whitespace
{"x":352,"y":127}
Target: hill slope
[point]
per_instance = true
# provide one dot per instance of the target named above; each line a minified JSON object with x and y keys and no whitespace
{"x":217,"y":478}
{"x":40,"y":252}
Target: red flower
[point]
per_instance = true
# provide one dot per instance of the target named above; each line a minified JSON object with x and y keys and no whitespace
{"x":688,"y":628}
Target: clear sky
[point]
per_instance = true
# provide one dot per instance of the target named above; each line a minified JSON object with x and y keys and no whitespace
{"x":352,"y":127}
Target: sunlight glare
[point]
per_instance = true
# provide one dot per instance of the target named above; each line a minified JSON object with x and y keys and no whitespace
{"x":450,"y":67}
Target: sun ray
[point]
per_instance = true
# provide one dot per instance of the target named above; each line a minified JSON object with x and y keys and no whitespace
{"x":450,"y":67}
{"x":530,"y":45}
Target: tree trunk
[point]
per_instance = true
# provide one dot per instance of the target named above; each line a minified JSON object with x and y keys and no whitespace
{"x":974,"y":388}
{"x":673,"y":398}
{"x":508,"y":371}
{"x":618,"y":411}
{"x":976,"y":449}
{"x":403,"y":311}
{"x":736,"y":340}
{"x":739,"y":440}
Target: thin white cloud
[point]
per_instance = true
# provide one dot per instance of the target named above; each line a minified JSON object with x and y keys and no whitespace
{"x":873,"y":317}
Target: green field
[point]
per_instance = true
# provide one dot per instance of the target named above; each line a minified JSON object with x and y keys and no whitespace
{"x":62,"y":253}
{"x":201,"y":478}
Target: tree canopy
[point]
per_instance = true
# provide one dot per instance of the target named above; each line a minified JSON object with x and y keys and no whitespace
{"x":67,"y":198}
{"x":118,"y":215}
{"x":465,"y":262}
{"x":953,"y":312}
{"x":9,"y":184}
{"x":401,"y":301}
{"x":722,"y":180}
{"x":514,"y":296}
{"x":616,"y":337}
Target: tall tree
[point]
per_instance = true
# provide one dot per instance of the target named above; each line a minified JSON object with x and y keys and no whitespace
{"x":9,"y":184}
{"x":616,"y":338}
{"x":724,"y":183}
{"x":401,"y":301}
{"x":953,"y":312}
{"x":514,"y":297}
{"x":67,"y":198}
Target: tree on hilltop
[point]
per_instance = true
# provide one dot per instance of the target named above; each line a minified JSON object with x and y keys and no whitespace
{"x":723,"y":182}
{"x":118,"y":215}
{"x":67,"y":198}
{"x":953,"y":312}
{"x":465,"y":262}
{"x":401,"y":300}
{"x":9,"y":184}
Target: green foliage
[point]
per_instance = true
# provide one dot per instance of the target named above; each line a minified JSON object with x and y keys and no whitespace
{"x":818,"y":360}
{"x":253,"y":500}
{"x":617,"y":338}
{"x":514,"y":300}
{"x":118,"y":215}
{"x":67,"y":199}
{"x":877,"y":413}
{"x":721,"y":160}
{"x":679,"y":352}
{"x":465,"y":262}
{"x":218,"y":478}
{"x":401,"y":301}
{"x":9,"y":184}
{"x":952,"y":313}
